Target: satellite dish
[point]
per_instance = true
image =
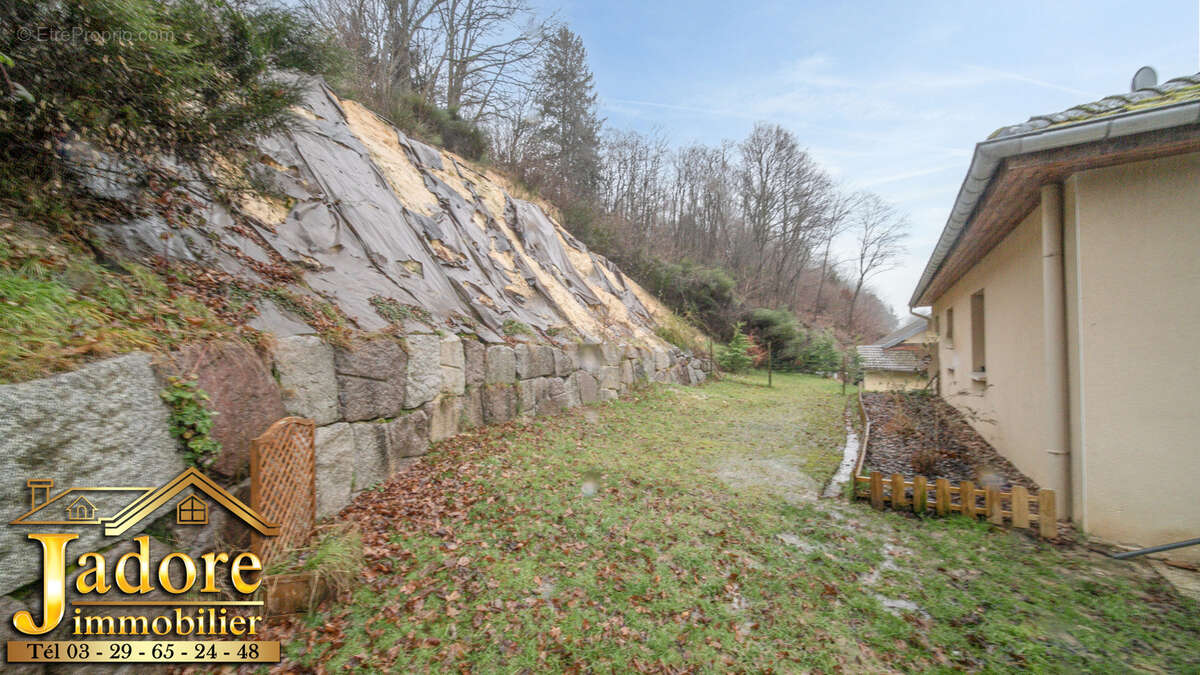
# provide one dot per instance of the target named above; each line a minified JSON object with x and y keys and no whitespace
{"x":1144,"y":78}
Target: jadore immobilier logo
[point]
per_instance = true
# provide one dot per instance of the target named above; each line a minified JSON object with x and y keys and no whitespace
{"x":141,"y":605}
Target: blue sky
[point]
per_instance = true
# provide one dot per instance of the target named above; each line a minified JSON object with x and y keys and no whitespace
{"x":889,"y":97}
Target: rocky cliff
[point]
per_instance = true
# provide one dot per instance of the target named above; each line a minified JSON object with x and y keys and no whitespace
{"x":384,"y":226}
{"x":464,"y":305}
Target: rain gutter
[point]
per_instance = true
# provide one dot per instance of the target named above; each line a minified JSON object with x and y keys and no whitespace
{"x":990,"y":154}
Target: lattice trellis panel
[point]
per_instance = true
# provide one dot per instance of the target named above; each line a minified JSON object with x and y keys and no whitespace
{"x":283,"y":484}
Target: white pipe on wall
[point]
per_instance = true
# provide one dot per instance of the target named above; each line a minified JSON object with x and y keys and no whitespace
{"x":934,"y":371}
{"x":1054,"y":323}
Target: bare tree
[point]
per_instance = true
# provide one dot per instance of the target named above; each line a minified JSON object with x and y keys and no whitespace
{"x":632,"y":183}
{"x":788,"y":203}
{"x":879,"y":231}
{"x":469,"y":55}
{"x":829,"y":230}
{"x":703,"y":201}
{"x":485,"y":46}
{"x":765,"y":155}
{"x":762,"y":209}
{"x":383,"y":37}
{"x":512,"y":131}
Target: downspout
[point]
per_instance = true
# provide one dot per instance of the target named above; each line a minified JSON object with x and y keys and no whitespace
{"x":1054,"y":323}
{"x":934,"y":361}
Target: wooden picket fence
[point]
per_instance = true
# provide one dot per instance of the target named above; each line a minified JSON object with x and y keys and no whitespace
{"x":963,"y":498}
{"x":1015,"y":507}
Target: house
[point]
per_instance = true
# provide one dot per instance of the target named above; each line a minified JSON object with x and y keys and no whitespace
{"x":900,"y":361}
{"x":1065,"y":291}
{"x":81,"y":509}
{"x":191,"y":510}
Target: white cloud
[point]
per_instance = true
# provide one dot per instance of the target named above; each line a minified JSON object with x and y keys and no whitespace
{"x":905,"y":175}
{"x":1016,"y":77}
{"x":906,"y":133}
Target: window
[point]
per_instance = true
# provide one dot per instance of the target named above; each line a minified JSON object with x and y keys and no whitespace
{"x":191,"y":511}
{"x":978,"y":342}
{"x":950,"y":327}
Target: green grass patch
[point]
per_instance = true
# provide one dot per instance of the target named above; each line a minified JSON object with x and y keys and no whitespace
{"x":681,"y":333}
{"x":513,"y":327}
{"x":639,"y":534}
{"x":397,"y":312}
{"x":59,"y":307}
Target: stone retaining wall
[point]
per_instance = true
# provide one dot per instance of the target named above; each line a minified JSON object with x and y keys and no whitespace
{"x":382,"y":400}
{"x":378,"y":403}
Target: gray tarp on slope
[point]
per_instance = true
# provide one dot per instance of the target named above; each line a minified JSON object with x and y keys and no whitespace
{"x":354,"y":237}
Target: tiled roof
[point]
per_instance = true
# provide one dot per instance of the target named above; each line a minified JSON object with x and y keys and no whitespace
{"x":1171,"y":105}
{"x":1178,"y":90}
{"x":914,"y":327}
{"x":875,"y":357}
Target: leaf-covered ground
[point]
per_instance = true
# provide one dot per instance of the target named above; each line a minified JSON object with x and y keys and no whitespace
{"x":634,"y":536}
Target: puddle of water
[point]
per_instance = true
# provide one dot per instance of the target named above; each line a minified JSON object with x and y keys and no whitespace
{"x":796,"y":542}
{"x":898,"y":607}
{"x":849,"y":458}
{"x":890,"y":553}
{"x":781,"y":476}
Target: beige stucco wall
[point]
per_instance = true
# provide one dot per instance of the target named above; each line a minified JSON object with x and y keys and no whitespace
{"x":886,"y":380}
{"x":1136,"y":322}
{"x":1131,"y":244}
{"x":1008,"y":409}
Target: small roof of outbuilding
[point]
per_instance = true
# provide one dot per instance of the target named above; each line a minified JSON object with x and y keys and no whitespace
{"x":910,"y":329}
{"x":875,"y":357}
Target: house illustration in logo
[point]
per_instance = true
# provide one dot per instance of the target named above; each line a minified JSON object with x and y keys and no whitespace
{"x":81,"y":509}
{"x":77,"y":505}
{"x":191,"y":511}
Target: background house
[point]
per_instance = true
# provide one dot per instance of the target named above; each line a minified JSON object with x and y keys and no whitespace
{"x":1065,"y":289}
{"x":900,"y":361}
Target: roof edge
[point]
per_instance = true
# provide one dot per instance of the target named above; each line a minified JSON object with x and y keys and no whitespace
{"x":990,"y":153}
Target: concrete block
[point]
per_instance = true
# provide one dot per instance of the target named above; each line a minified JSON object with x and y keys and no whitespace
{"x":444,"y":413}
{"x":424,"y":374}
{"x":501,"y":365}
{"x":587,"y":387}
{"x":472,"y":409}
{"x":453,"y":363}
{"x":406,"y":436}
{"x":499,"y":403}
{"x":475,"y":362}
{"x":564,"y":365}
{"x":307,"y":379}
{"x":371,"y":378}
{"x":334,"y":467}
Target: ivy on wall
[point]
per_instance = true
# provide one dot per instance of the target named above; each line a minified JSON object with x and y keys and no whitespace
{"x":191,"y":421}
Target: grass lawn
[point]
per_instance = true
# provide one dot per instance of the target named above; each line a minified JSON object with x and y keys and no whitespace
{"x":676,"y":531}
